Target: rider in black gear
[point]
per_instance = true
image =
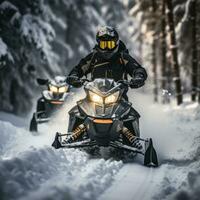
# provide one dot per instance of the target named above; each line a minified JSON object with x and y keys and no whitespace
{"x":109,"y":59}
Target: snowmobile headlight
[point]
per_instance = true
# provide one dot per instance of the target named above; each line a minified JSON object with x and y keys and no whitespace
{"x":53,"y":88}
{"x":62,"y":89}
{"x":112,"y":98}
{"x":95,"y":98}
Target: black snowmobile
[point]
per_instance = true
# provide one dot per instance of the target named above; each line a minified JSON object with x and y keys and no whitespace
{"x":105,"y":118}
{"x":52,"y":99}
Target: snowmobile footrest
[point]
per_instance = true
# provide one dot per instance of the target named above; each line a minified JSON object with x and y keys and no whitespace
{"x":125,"y":147}
{"x":56,"y":144}
{"x":150,"y":156}
{"x":81,"y":144}
{"x":33,"y":124}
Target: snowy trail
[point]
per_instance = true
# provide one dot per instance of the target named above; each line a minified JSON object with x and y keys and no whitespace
{"x":31,"y":169}
{"x":135,"y":182}
{"x":123,"y":185}
{"x":174,"y":138}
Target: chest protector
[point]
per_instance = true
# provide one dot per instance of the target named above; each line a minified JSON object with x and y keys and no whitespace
{"x":114,"y":68}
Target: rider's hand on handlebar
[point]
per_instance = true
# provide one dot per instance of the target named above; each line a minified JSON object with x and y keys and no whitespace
{"x":138,"y":81}
{"x":74,"y":80}
{"x":71,"y":79}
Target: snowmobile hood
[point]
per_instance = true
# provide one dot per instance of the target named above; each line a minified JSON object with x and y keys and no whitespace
{"x":48,"y":95}
{"x":102,"y":86}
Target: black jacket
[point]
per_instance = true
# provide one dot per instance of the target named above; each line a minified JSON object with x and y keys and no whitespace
{"x":116,"y":68}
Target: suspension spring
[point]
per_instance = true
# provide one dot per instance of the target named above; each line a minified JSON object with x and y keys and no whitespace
{"x":77,"y":132}
{"x":128,"y":134}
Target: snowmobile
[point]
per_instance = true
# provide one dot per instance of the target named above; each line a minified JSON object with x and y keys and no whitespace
{"x":105,"y":118}
{"x":52,"y":99}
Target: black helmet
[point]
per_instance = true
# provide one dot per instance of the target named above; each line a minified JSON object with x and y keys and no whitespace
{"x":108,"y":41}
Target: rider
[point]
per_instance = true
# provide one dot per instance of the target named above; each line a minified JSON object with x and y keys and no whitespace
{"x":109,"y":59}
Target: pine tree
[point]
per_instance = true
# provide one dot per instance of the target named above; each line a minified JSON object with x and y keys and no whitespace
{"x":194,"y":50}
{"x":154,"y":60}
{"x":163,"y":52}
{"x":174,"y":52}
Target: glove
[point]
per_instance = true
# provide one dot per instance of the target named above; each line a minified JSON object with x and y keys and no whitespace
{"x":74,"y":80}
{"x":71,"y":79}
{"x":138,"y":81}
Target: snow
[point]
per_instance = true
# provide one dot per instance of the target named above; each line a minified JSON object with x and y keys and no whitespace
{"x":3,"y":48}
{"x":4,"y":51}
{"x":7,"y":5}
{"x":30,"y":173}
{"x":39,"y":33}
{"x":31,"y":169}
{"x":174,"y":131}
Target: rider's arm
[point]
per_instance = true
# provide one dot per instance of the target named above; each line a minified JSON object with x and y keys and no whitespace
{"x":133,"y":68}
{"x":83,"y":67}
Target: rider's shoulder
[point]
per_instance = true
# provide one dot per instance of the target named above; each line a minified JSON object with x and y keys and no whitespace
{"x":126,"y":56}
{"x":89,"y":56}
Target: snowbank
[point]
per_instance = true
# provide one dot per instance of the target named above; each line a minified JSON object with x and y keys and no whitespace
{"x":31,"y":169}
{"x":183,"y":176}
{"x":49,"y":174}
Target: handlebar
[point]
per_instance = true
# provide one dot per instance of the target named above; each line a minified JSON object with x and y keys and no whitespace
{"x":124,"y":82}
{"x":84,"y":80}
{"x":127,"y":83}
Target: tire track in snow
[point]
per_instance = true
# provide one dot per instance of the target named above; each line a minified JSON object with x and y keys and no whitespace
{"x":130,"y":183}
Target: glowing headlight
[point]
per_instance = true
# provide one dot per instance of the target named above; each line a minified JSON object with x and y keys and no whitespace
{"x":112,"y":98}
{"x":62,"y":89}
{"x":95,"y":97}
{"x":53,"y":88}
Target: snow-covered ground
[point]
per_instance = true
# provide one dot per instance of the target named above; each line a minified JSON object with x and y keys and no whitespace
{"x":31,"y":169}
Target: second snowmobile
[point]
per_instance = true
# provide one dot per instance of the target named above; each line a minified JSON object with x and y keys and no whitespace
{"x":105,"y":118}
{"x":52,"y":99}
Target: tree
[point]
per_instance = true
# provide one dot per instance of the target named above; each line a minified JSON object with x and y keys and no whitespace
{"x":163,"y":52}
{"x":154,"y":60}
{"x":174,"y":52}
{"x":193,"y":16}
{"x":194,"y":51}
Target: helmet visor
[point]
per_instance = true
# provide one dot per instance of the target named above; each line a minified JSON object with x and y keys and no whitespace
{"x":107,"y":44}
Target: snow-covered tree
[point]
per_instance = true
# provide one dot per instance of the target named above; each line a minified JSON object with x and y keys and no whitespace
{"x":44,"y":38}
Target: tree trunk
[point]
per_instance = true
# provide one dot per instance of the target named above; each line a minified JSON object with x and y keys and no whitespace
{"x":163,"y":53}
{"x":154,"y":61}
{"x":155,"y":77}
{"x":194,"y":50}
{"x":174,"y":52}
{"x":198,"y":49}
{"x":169,"y":80}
